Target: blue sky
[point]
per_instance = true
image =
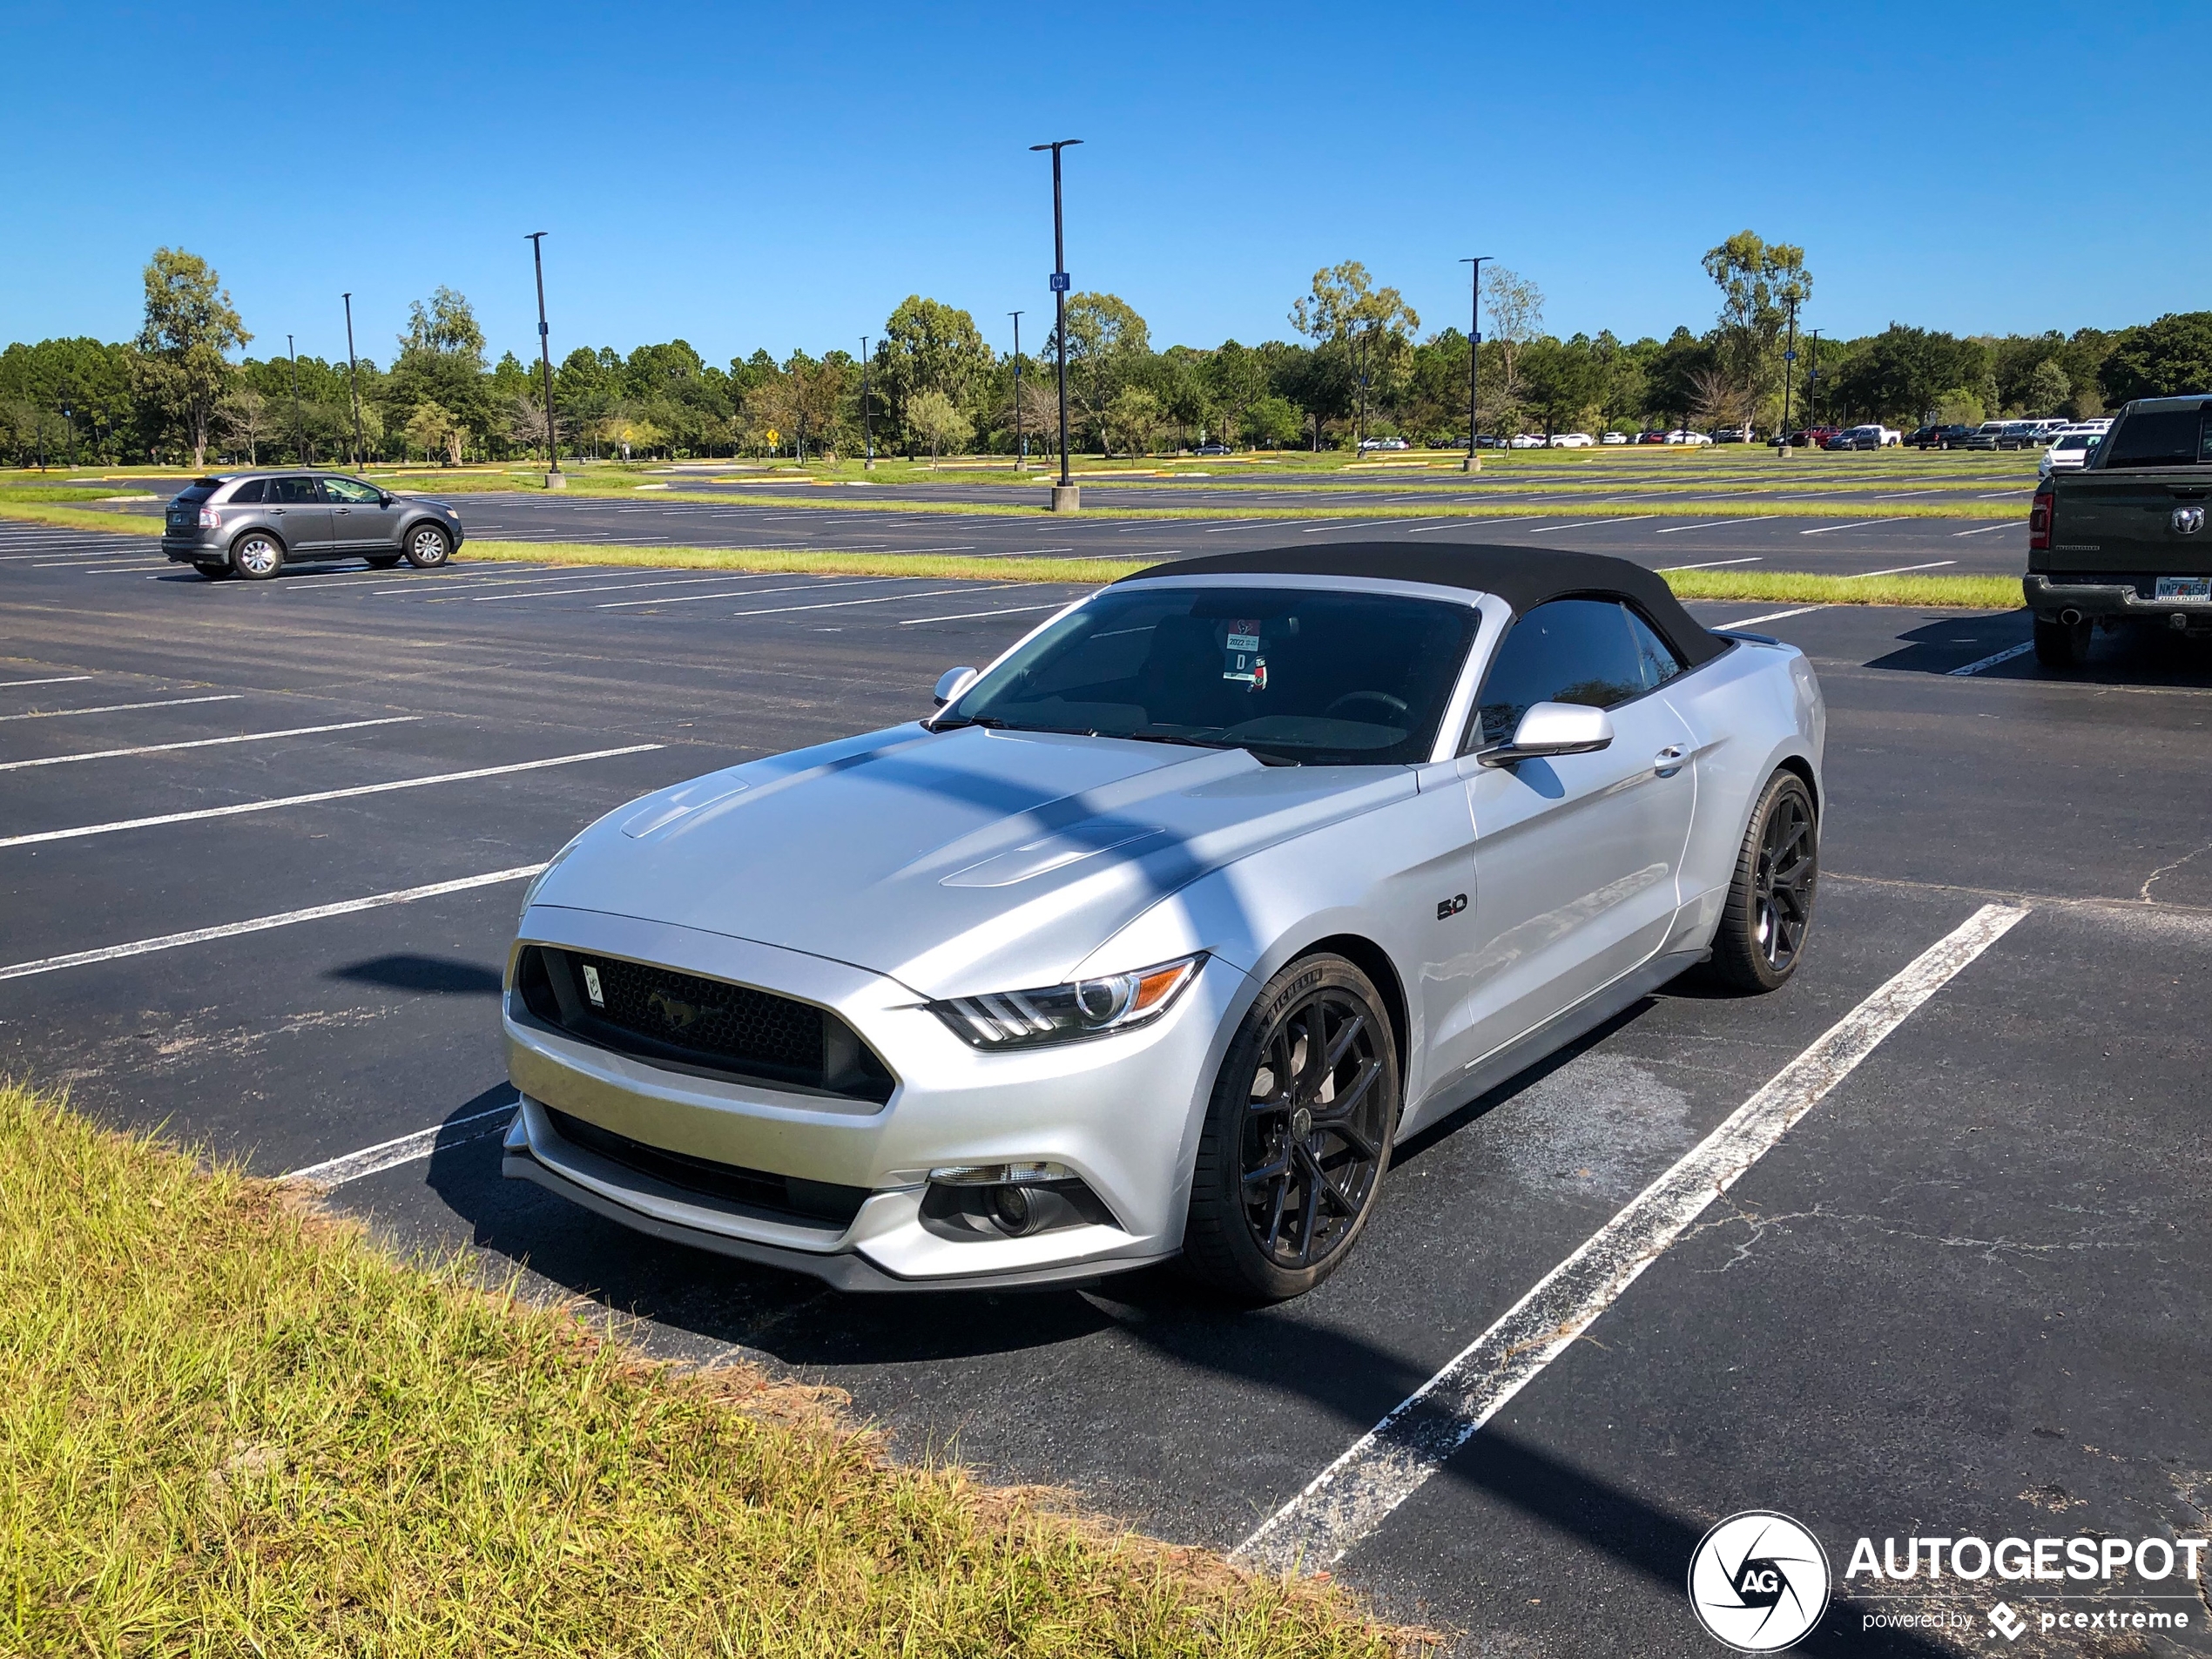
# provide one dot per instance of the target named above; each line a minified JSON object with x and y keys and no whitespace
{"x":783,"y":176}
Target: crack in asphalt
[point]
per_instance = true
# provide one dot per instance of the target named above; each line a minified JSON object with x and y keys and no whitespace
{"x":1991,"y":1248}
{"x":2143,"y":893}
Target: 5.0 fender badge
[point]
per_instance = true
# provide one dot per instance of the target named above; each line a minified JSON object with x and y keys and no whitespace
{"x":1446,"y":908}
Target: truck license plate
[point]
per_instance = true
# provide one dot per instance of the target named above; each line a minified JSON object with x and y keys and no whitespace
{"x":2198,"y":588}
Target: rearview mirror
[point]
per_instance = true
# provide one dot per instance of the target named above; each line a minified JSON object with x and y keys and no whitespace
{"x":1553,"y":729}
{"x":952,"y":682}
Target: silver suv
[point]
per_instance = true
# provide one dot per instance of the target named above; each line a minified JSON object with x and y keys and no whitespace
{"x":252,"y":523}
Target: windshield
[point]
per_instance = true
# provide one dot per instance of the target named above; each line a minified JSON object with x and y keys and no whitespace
{"x":1311,"y":678}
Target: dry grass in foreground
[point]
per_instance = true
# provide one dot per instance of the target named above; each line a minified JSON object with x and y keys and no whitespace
{"x":229,"y":1426}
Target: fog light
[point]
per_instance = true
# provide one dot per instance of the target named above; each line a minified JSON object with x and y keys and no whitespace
{"x":1011,"y":1209}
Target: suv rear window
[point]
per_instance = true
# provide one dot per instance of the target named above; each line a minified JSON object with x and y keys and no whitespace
{"x":2157,"y":438}
{"x":193,"y":493}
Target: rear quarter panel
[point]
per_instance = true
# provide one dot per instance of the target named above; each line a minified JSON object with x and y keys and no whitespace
{"x":1749,"y":711}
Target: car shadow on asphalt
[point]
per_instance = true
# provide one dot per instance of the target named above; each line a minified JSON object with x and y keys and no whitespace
{"x":2131,"y":655}
{"x":405,"y":971}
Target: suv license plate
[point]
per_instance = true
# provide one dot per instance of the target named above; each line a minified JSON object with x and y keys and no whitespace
{"x":2198,"y":588}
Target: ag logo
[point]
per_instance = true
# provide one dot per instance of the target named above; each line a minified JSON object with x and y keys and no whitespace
{"x":2188,"y":520}
{"x":1758,"y":1582}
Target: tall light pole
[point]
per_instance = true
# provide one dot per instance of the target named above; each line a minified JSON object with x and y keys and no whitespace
{"x":1474,"y":350}
{"x":1064,"y":499}
{"x":868,"y":428}
{"x":1812,"y":383}
{"x":353,"y":379}
{"x":299,"y":431}
{"x":1021,"y":443}
{"x":1789,"y":371}
{"x":555,"y":478}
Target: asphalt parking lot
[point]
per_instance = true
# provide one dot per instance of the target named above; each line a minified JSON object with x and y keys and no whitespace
{"x":1857,"y":542}
{"x":1965,"y":1294}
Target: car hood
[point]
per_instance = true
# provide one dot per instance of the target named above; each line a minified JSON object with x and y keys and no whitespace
{"x":953,"y":861}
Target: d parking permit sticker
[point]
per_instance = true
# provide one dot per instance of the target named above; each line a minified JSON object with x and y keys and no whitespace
{"x":1240,"y":655}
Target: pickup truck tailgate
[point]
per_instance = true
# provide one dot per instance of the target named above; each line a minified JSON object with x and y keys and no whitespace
{"x":2127,"y":522}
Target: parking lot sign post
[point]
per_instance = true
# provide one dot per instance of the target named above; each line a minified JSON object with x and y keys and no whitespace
{"x":1474,"y":350}
{"x":555,"y":478}
{"x":354,"y":383}
{"x":1064,"y":498}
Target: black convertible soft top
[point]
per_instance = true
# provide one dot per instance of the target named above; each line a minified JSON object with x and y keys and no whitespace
{"x":1524,"y":577}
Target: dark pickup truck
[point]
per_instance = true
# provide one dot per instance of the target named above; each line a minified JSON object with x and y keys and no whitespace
{"x":2122,"y":540}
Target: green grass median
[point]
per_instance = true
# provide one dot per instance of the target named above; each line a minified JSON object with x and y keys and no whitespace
{"x":228,"y":1425}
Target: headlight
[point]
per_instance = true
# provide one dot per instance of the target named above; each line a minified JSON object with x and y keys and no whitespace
{"x":1090,"y":1008}
{"x":530,"y":894}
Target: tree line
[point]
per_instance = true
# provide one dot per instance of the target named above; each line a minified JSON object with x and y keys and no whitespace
{"x":1359,"y":367}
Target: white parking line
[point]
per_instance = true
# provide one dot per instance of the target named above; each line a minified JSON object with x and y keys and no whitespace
{"x":390,"y":1155}
{"x":1991,"y":661}
{"x":125,"y":708}
{"x":963,"y":615}
{"x":879,"y":599}
{"x":1859,"y":524}
{"x":1899,"y":569}
{"x":1772,"y":616}
{"x":1355,"y":1494}
{"x":1985,"y":529}
{"x":1710,"y":564}
{"x":604,"y":587}
{"x":1585,"y":524}
{"x":816,"y":584}
{"x":1472,"y":521}
{"x":235,"y":810}
{"x":262,"y":924}
{"x":1710,"y":524}
{"x":204,"y":743}
{"x":59,"y":680}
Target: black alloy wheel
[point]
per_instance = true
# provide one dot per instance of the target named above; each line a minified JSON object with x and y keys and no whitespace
{"x":1298,"y":1136}
{"x":1761,"y":935}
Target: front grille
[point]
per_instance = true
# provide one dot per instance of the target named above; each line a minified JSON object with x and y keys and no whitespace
{"x":784,"y":1197}
{"x":699,"y":1024}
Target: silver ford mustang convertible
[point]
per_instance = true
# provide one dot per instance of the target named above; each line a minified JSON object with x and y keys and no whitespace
{"x":1167,"y":926}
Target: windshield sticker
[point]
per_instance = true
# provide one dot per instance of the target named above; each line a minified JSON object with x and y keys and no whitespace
{"x":1240,"y":654}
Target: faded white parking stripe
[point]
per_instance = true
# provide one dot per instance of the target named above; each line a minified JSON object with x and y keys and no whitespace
{"x":262,"y":924}
{"x":963,"y":615}
{"x":125,"y":708}
{"x":879,"y":599}
{"x":1772,"y":616}
{"x":1355,"y":1494}
{"x":814,"y":584}
{"x":2005,"y":525}
{"x":1710,"y":564}
{"x":57,"y":679}
{"x":1716,"y":523}
{"x":235,"y":810}
{"x":1859,"y":524}
{"x":1899,"y":569}
{"x":390,"y":1155}
{"x":204,"y":743}
{"x":1995,"y":658}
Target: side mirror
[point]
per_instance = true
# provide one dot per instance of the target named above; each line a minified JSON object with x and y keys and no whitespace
{"x":1553,"y":729}
{"x":953,"y":683}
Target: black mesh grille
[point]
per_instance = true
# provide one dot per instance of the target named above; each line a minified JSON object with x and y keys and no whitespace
{"x":705,"y":1024}
{"x":807,"y":1202}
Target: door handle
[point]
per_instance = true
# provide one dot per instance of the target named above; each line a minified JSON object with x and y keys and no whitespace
{"x":1669,"y":760}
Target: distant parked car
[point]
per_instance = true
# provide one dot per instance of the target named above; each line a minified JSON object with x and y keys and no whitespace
{"x":1526,"y":441}
{"x":1934,"y":436}
{"x":1731,"y":434}
{"x":1984,"y":436}
{"x":1384,"y":443}
{"x":1613,"y":437}
{"x":2069,"y":451}
{"x":1683,"y":435}
{"x":1811,"y":437}
{"x":1211,"y":449}
{"x":253,"y":524}
{"x":1571,"y":441}
{"x":1654,"y":437}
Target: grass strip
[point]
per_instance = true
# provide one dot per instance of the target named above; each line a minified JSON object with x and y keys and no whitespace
{"x":1962,"y":592}
{"x":1785,"y":587}
{"x":783,"y":561}
{"x":80,"y":518}
{"x":60,"y":493}
{"x":230,"y":1426}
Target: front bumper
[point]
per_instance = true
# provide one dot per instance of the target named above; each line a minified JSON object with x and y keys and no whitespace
{"x":1121,"y":1113}
{"x":2118,"y":596}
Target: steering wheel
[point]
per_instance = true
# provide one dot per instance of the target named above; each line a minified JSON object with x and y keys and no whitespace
{"x":1397,"y":705}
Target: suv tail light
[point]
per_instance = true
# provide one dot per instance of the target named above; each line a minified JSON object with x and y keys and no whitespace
{"x":2038,"y":522}
{"x":210,"y":519}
